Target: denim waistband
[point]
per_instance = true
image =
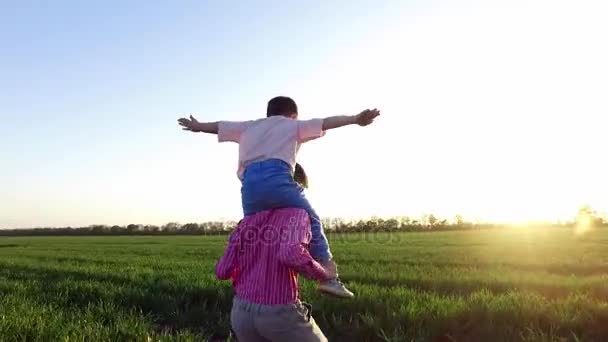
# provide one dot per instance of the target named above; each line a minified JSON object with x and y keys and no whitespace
{"x":303,"y":307}
{"x":272,"y":165}
{"x":262,"y":308}
{"x":267,"y":163}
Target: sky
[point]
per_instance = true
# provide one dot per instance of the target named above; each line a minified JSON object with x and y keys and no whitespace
{"x":490,"y":109}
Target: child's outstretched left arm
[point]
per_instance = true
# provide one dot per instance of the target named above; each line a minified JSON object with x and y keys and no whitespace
{"x":194,"y":126}
{"x":364,"y":118}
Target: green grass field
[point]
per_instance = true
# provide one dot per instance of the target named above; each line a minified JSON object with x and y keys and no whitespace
{"x":495,"y":285}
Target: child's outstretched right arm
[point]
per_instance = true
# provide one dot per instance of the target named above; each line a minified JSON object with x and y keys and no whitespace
{"x":194,"y":126}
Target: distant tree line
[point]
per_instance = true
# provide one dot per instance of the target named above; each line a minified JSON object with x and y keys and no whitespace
{"x":215,"y":228}
{"x":172,"y":228}
{"x":426,"y":223}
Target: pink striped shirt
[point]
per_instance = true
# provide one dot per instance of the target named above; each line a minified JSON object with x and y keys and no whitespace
{"x":266,"y":252}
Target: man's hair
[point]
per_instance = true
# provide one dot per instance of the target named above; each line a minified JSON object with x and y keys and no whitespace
{"x":281,"y":105}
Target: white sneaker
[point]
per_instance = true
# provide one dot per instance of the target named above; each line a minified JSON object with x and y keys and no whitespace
{"x":335,"y":288}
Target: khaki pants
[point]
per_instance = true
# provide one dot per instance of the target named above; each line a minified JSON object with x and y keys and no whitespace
{"x":289,"y":322}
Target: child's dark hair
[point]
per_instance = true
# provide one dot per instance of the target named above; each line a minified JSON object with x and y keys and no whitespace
{"x":299,"y":175}
{"x":281,"y":105}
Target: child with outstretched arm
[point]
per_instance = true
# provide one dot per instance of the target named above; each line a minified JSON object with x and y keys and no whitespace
{"x":267,"y":159}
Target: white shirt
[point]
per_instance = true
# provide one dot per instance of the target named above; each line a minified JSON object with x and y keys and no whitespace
{"x":275,"y":137}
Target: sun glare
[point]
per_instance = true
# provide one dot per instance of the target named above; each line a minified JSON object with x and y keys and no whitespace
{"x":584,"y":225}
{"x":585,"y":220}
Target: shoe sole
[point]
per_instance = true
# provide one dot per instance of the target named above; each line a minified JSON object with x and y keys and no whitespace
{"x":336,"y":294}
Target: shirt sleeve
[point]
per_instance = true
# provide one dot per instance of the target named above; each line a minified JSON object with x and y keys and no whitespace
{"x":227,"y":267}
{"x":231,"y":130}
{"x":293,"y":249}
{"x":310,"y":130}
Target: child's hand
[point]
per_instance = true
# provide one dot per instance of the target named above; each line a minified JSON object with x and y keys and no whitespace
{"x":366,"y":117}
{"x":189,"y":124}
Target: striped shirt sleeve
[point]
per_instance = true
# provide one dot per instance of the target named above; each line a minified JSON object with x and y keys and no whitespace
{"x":293,"y":250}
{"x":227,"y":266}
